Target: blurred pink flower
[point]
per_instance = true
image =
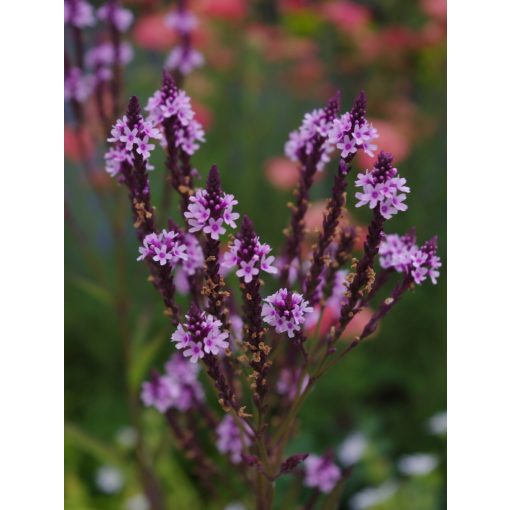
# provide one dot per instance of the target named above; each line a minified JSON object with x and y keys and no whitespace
{"x":72,"y":149}
{"x":225,"y":9}
{"x":315,"y":214}
{"x":349,"y":16}
{"x":391,"y":140}
{"x":434,"y":8}
{"x":203,"y":114}
{"x":330,"y":318}
{"x":152,"y":32}
{"x":281,"y":173}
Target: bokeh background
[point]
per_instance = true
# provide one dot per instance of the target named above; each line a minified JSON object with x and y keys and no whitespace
{"x":267,"y":63}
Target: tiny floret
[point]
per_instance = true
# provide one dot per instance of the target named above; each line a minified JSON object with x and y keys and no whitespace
{"x":321,"y":473}
{"x":230,"y":438}
{"x":164,"y":248}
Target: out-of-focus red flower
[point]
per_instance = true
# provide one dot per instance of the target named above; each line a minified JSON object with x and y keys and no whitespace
{"x":434,"y":8}
{"x":203,"y":114}
{"x":330,"y":318}
{"x":349,"y":16}
{"x":72,"y":146}
{"x":151,"y":32}
{"x":314,"y":215}
{"x":390,"y":139}
{"x":282,"y":173}
{"x":225,"y":9}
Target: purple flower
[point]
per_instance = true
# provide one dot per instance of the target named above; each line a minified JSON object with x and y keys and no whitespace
{"x":288,"y":381}
{"x":250,"y":259}
{"x":111,"y":12}
{"x":207,"y":212}
{"x":184,"y":59}
{"x":201,"y":334}
{"x":77,"y":86}
{"x":78,"y":13}
{"x":321,"y":472}
{"x":103,"y":55}
{"x":183,"y":21}
{"x":286,"y":311}
{"x":401,"y":254}
{"x":230,"y":439}
{"x":167,"y":247}
{"x":160,"y":392}
{"x":382,"y":188}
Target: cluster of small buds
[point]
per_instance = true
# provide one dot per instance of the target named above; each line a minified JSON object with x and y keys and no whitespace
{"x":183,"y":58}
{"x":208,"y":212}
{"x":301,"y":142}
{"x":349,"y":136}
{"x":78,"y":13}
{"x":288,"y":380}
{"x":77,"y":85}
{"x":102,"y":57}
{"x":178,"y":388}
{"x":249,"y":259}
{"x":111,"y":12}
{"x":176,"y":104}
{"x":286,"y":311}
{"x":230,"y":439}
{"x":200,"y":335}
{"x":383,"y":187}
{"x":321,"y":473}
{"x":164,"y":248}
{"x":404,"y":256}
{"x":129,"y":140}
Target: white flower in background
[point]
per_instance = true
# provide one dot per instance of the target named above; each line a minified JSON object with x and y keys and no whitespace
{"x":437,"y":424}
{"x":109,"y":479}
{"x":235,"y":506}
{"x":137,"y":502}
{"x":371,"y":496}
{"x":352,"y":449}
{"x":126,"y":436}
{"x":417,"y":464}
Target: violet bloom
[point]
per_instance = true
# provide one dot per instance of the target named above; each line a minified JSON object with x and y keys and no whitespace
{"x":200,"y":335}
{"x":209,"y":212}
{"x":383,"y":188}
{"x":286,"y":311}
{"x":350,"y":135}
{"x":176,"y":105}
{"x":102,"y":57}
{"x":287,"y":384}
{"x":230,"y":439}
{"x":78,"y":13}
{"x":160,"y":392}
{"x":184,"y":59}
{"x":301,"y":142}
{"x":403,"y":255}
{"x":321,"y":473}
{"x":77,"y":86}
{"x":128,"y":142}
{"x":111,"y":12}
{"x":164,"y":248}
{"x":249,"y":259}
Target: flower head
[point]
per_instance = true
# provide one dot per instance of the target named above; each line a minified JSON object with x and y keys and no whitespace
{"x":78,"y":13}
{"x":382,"y":187}
{"x":249,"y":254}
{"x":321,"y":472}
{"x":230,"y":439}
{"x":211,"y":208}
{"x":77,"y":86}
{"x":286,"y":311}
{"x":111,"y":12}
{"x":200,"y":335}
{"x":164,"y":248}
{"x":184,"y":59}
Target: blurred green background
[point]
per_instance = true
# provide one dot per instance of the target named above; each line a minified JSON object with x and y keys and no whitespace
{"x":267,"y":64}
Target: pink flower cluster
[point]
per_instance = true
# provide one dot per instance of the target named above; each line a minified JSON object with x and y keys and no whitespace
{"x":199,"y":336}
{"x":321,"y":472}
{"x":189,"y":132}
{"x":209,"y":213}
{"x":349,"y":139}
{"x":230,"y":440}
{"x":78,"y":13}
{"x":77,"y":86}
{"x":178,"y":388}
{"x":164,"y":248}
{"x":382,"y":187}
{"x":404,"y":256}
{"x":113,"y":13}
{"x":286,"y":311}
{"x":183,"y":57}
{"x":101,"y":58}
{"x":288,"y":382}
{"x":249,"y":264}
{"x":301,"y":141}
{"x":128,"y":142}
